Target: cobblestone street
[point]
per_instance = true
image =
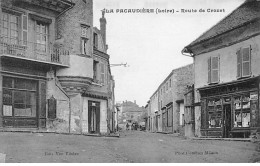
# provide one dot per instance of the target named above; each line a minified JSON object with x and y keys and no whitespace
{"x":132,"y":146}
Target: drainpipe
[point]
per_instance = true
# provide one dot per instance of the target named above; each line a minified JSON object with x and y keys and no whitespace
{"x":57,"y":85}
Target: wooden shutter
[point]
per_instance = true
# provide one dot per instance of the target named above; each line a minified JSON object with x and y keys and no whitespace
{"x":42,"y":104}
{"x":203,"y":113}
{"x":246,"y":62}
{"x":209,"y":70}
{"x":24,"y":29}
{"x":239,"y":63}
{"x":214,"y":69}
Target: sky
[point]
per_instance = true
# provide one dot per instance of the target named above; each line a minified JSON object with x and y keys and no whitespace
{"x":151,"y":43}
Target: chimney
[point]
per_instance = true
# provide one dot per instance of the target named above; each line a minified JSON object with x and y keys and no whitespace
{"x":103,"y":23}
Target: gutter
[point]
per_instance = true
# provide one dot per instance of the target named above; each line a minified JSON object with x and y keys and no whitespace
{"x":187,"y":52}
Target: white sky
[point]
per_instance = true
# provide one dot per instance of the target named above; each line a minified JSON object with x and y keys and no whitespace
{"x":151,"y":43}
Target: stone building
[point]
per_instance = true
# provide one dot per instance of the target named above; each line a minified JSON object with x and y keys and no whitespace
{"x":55,"y":73}
{"x":167,"y":102}
{"x":226,"y":59}
{"x":130,"y":112}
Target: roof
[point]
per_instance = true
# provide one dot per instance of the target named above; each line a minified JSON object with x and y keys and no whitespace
{"x":247,"y":12}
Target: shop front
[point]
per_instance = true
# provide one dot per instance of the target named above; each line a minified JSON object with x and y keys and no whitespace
{"x":230,"y":109}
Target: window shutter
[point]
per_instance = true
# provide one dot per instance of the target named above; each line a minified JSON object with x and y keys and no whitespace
{"x":239,"y":60}
{"x":214,"y":69}
{"x":246,"y":61}
{"x":209,"y":70}
{"x":24,"y":29}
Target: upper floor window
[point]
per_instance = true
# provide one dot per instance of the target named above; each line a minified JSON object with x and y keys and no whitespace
{"x":84,"y":39}
{"x":213,"y":69}
{"x":244,"y":62}
{"x":102,"y":72}
{"x":10,"y":31}
{"x":95,"y":40}
{"x":95,"y":64}
{"x":41,"y":36}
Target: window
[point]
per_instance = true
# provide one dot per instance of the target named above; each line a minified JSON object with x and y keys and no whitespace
{"x":243,"y":62}
{"x":95,"y":40}
{"x":102,"y":73}
{"x":10,"y":28}
{"x":213,"y":69}
{"x":19,"y":97}
{"x":41,"y":36}
{"x":214,"y":113}
{"x":84,"y":39}
{"x":242,"y":111}
{"x":95,"y":63}
{"x":84,"y":45}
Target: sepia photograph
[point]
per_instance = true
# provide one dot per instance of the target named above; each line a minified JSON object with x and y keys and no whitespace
{"x":129,"y":81}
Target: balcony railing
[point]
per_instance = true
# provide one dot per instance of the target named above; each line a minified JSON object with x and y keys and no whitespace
{"x":34,"y":51}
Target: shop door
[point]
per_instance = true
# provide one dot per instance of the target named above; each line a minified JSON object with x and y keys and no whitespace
{"x":226,"y":120}
{"x":93,"y":116}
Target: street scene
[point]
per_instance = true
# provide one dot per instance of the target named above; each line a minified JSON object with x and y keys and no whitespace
{"x":123,"y":81}
{"x":131,"y":147}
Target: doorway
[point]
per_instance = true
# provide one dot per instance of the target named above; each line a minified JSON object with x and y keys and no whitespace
{"x":226,"y":120}
{"x":93,"y":117}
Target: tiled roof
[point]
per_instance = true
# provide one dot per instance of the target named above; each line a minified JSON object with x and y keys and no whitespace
{"x":247,"y":12}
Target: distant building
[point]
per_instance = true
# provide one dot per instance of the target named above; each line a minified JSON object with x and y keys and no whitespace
{"x":130,"y":112}
{"x":166,"y":105}
{"x":227,"y":74}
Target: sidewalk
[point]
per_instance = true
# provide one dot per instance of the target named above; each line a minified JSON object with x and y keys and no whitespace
{"x":224,"y":139}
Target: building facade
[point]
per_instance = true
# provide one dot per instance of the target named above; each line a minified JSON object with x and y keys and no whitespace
{"x":226,"y":59}
{"x":130,"y":112}
{"x":167,"y":102}
{"x":55,"y":73}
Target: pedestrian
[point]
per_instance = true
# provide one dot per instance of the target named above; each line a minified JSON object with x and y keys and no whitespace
{"x":127,"y":125}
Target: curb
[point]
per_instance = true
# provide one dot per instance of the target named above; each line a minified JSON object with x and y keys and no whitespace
{"x":53,"y":132}
{"x":224,"y":139}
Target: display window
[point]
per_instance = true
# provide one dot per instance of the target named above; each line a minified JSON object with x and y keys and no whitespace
{"x":242,"y":111}
{"x":214,"y":113}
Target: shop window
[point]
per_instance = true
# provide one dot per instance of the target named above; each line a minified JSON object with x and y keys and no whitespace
{"x":242,"y":111}
{"x":213,"y":69}
{"x":19,"y":97}
{"x":214,"y":113}
{"x":244,"y":62}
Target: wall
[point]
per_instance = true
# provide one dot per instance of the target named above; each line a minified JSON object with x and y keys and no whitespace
{"x":79,"y":66}
{"x":228,"y":62}
{"x":61,"y":123}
